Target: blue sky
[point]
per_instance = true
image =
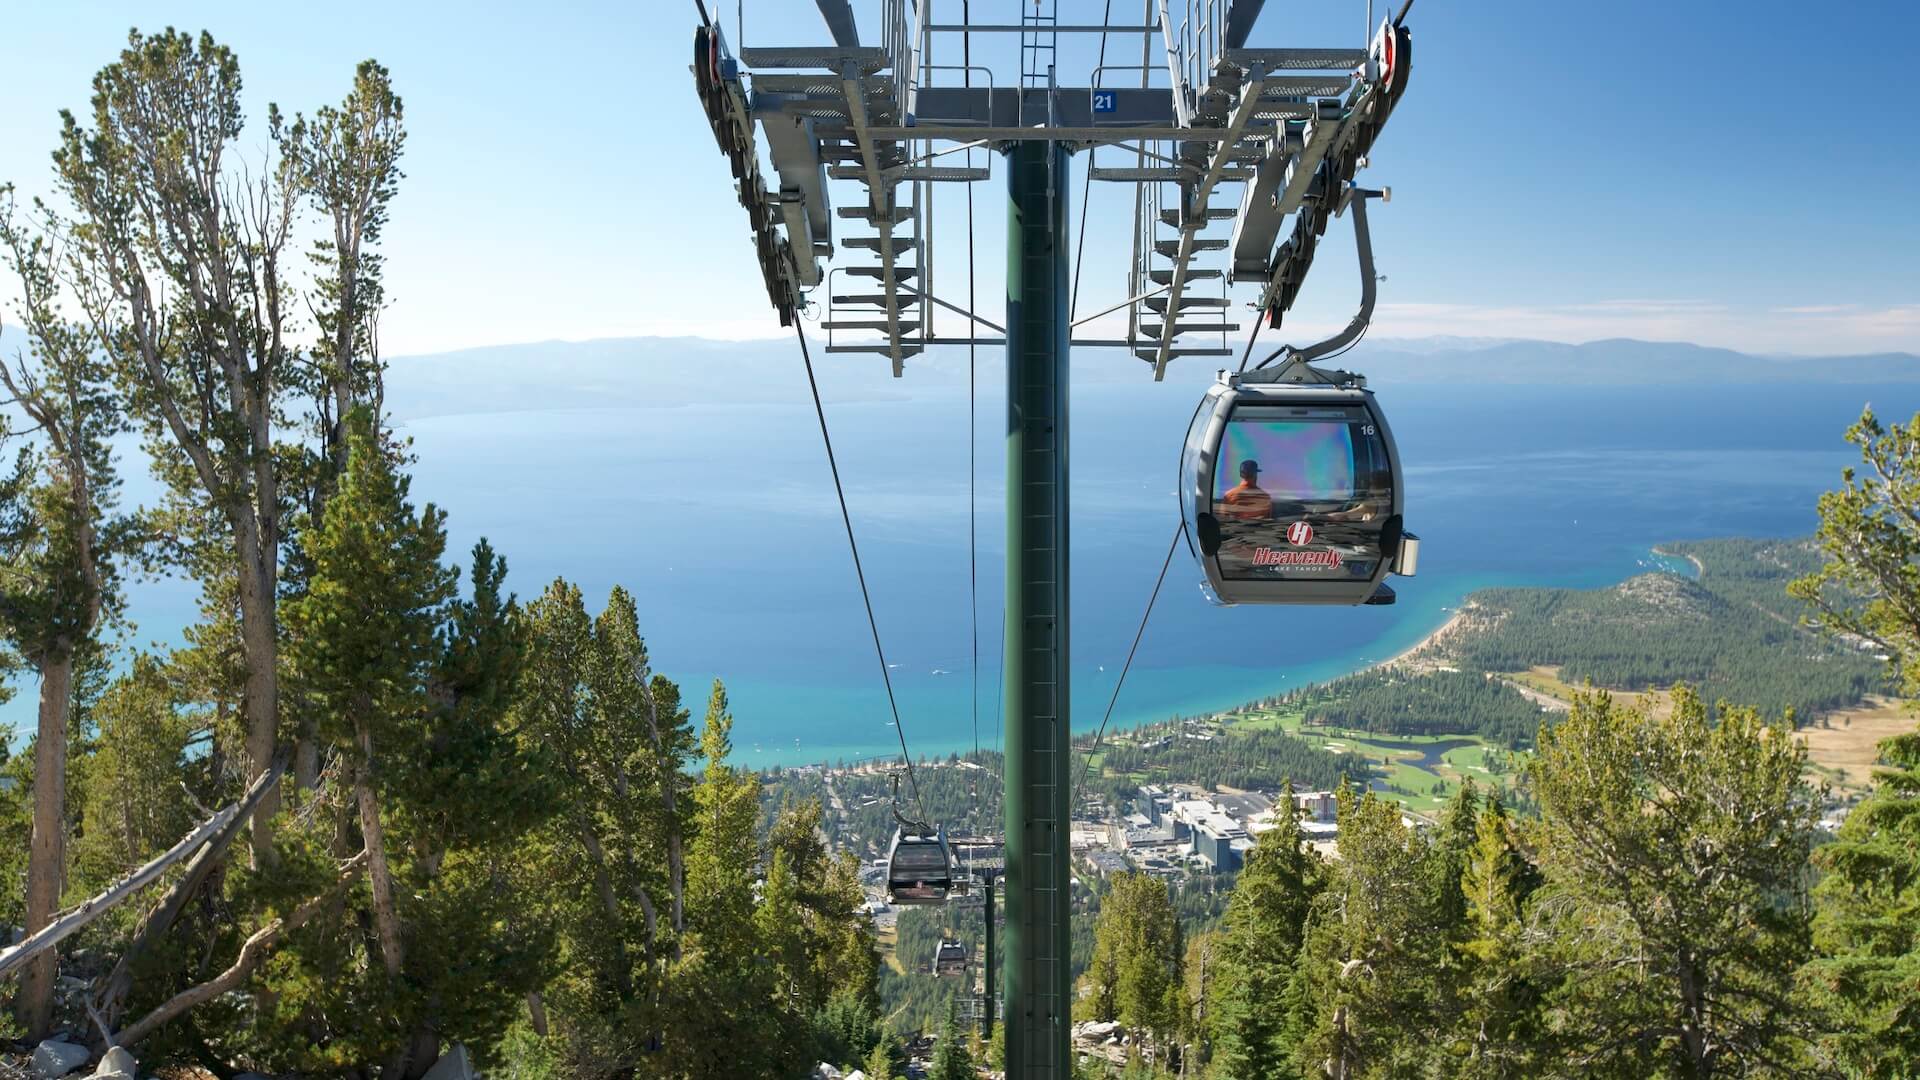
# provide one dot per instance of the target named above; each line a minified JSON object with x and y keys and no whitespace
{"x":1736,"y":175}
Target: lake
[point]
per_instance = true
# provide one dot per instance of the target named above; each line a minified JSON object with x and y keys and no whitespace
{"x":720,"y":517}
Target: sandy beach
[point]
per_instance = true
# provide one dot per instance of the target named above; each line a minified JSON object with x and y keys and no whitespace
{"x":1699,"y":568}
{"x":1450,"y":626}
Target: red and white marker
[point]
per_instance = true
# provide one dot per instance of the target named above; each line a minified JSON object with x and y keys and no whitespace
{"x":1299,"y":534}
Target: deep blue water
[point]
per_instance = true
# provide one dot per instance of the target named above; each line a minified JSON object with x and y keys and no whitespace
{"x":720,"y":518}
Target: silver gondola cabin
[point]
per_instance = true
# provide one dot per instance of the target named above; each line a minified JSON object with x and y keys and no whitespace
{"x":919,"y":866}
{"x":950,"y":959}
{"x":1290,"y":488}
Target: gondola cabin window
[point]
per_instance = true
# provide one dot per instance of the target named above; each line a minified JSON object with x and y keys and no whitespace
{"x":1301,"y":494}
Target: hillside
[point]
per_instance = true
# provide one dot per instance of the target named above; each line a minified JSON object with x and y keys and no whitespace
{"x":1734,"y":633}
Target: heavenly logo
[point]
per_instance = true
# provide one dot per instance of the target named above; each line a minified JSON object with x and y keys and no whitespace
{"x":1308,"y":560}
{"x":1300,"y":534}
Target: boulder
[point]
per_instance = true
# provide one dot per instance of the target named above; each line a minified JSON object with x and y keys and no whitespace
{"x":453,"y":1065}
{"x":824,"y":1071}
{"x":55,"y":1058}
{"x":118,"y":1064}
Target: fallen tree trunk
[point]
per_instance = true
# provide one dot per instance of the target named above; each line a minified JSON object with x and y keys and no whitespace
{"x":111,"y":1001}
{"x":252,"y":952}
{"x":65,"y":925}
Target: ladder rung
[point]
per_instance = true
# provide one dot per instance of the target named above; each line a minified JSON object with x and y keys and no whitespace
{"x":882,"y":350}
{"x":1297,"y":86}
{"x":937,"y":173}
{"x":1159,"y":303}
{"x":866,"y":214}
{"x":866,"y":324}
{"x":901,"y":273}
{"x":872,"y":58}
{"x":1154,"y":330}
{"x":1165,"y":277}
{"x":1153,"y":355}
{"x":904,"y":296}
{"x":1134,"y":174}
{"x":872,"y":243}
{"x":1172,"y":217}
{"x":1171,"y":248}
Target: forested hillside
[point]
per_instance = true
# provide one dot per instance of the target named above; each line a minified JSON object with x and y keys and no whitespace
{"x":436,"y":815}
{"x":1395,"y":701}
{"x":1734,"y":633}
{"x":1254,"y":759}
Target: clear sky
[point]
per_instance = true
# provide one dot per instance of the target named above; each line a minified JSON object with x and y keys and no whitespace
{"x":1732,"y":174}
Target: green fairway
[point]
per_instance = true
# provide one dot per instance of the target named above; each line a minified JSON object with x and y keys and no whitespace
{"x":1402,"y":760}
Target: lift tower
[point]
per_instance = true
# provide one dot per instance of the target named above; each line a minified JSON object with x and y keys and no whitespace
{"x":1211,"y":131}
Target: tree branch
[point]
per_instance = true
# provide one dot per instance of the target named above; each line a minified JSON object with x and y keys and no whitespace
{"x":252,"y":952}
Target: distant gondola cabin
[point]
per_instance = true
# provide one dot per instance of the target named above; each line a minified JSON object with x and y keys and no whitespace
{"x":919,"y":867}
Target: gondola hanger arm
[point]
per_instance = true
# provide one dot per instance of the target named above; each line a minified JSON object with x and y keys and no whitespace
{"x":1297,"y":358}
{"x":920,"y":827}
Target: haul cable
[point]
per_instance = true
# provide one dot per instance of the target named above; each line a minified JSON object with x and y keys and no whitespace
{"x":873,"y":624}
{"x":1087,"y":764}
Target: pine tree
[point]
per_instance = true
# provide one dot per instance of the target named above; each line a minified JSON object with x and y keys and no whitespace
{"x":365,"y":646}
{"x":1674,"y":847}
{"x":727,"y":1015}
{"x":1135,"y":976}
{"x":164,"y":126}
{"x":572,"y":876}
{"x":848,"y":1028}
{"x":879,"y":1063}
{"x":1372,"y":949}
{"x":1264,"y":923}
{"x":1498,"y":1018}
{"x":1868,"y":923}
{"x":951,"y":1058}
{"x":132,"y":809}
{"x":1453,"y":846}
{"x":57,"y":553}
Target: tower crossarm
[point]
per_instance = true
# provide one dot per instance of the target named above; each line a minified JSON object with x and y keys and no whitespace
{"x":1289,"y":125}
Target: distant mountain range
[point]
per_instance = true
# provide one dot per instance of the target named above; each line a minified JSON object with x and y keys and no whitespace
{"x":1617,"y":361}
{"x":650,"y":372}
{"x":672,"y":372}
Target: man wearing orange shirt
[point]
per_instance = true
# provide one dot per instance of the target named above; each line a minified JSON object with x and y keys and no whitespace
{"x":1246,"y":501}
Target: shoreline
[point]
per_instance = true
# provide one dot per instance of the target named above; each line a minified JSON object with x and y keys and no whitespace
{"x":1410,"y":658}
{"x":1451,"y":625}
{"x":1699,"y":568}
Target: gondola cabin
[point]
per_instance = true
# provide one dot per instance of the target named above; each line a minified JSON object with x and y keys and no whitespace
{"x":1291,"y":491}
{"x":919,"y":867}
{"x":950,"y":959}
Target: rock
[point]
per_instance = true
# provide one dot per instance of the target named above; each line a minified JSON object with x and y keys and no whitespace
{"x":453,"y":1065}
{"x":118,"y":1064}
{"x":824,"y":1071}
{"x":55,"y":1058}
{"x":855,"y":1075}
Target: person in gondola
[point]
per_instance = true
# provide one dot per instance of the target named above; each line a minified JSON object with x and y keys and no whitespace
{"x":1247,"y":501}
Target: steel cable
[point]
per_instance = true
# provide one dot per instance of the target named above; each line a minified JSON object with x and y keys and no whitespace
{"x":846,"y":519}
{"x":1087,"y":763}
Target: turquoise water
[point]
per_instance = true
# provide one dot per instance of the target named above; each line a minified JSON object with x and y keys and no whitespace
{"x":720,"y":518}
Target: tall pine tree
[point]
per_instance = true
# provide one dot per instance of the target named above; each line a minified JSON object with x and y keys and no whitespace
{"x":1868,"y":923}
{"x":1264,"y":924}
